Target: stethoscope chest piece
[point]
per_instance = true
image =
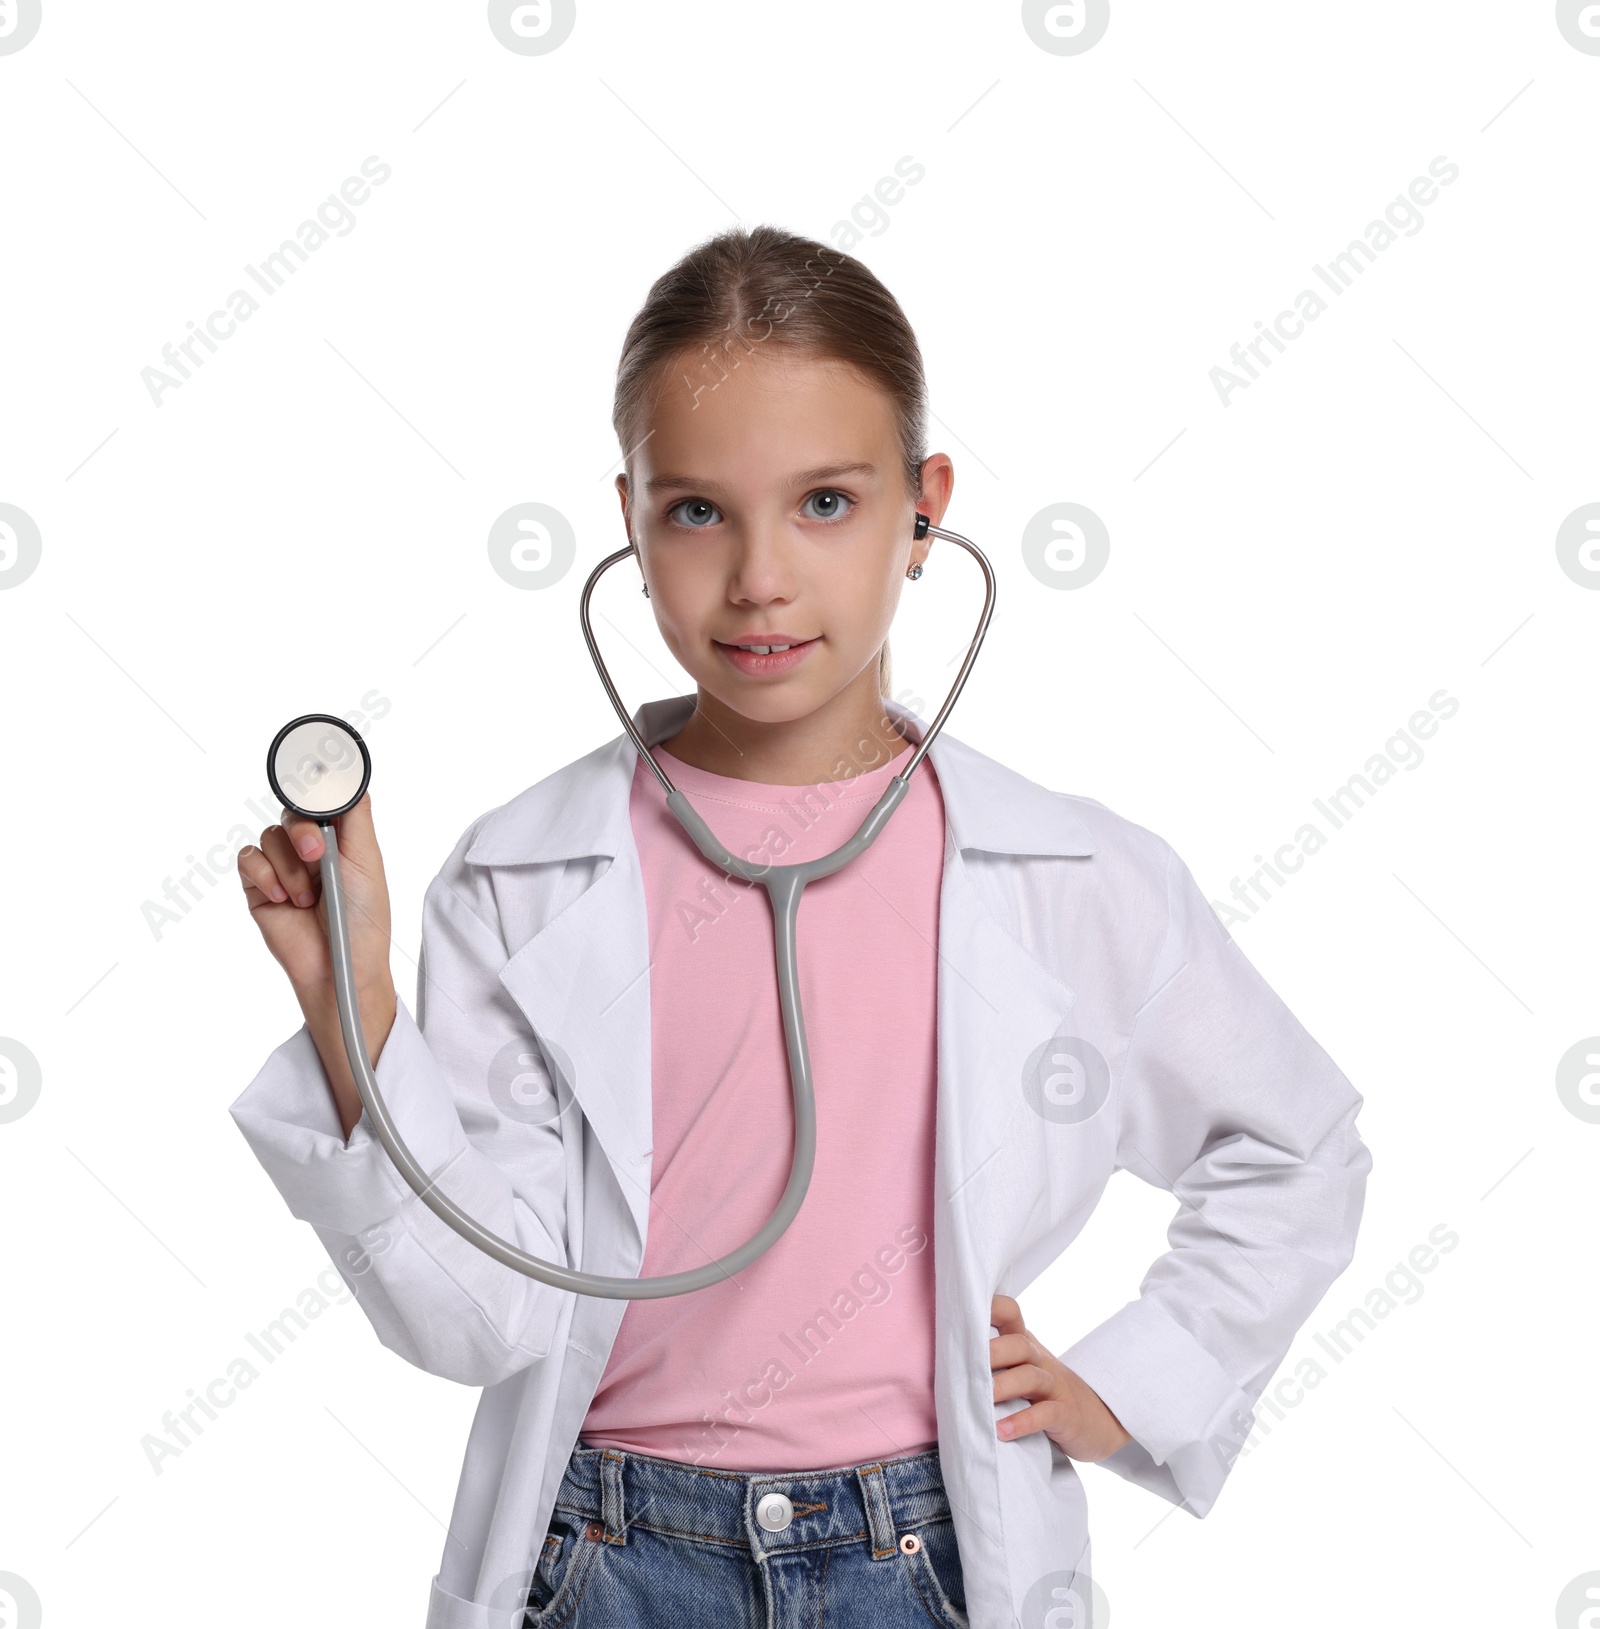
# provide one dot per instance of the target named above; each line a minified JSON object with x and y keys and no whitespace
{"x":318,"y":766}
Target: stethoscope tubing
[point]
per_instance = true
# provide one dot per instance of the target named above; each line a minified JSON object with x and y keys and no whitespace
{"x":784,"y":884}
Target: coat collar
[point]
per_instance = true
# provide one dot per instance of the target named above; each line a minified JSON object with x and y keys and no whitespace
{"x":582,"y":809}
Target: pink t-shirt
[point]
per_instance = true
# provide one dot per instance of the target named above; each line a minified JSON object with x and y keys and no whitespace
{"x":820,"y":1352}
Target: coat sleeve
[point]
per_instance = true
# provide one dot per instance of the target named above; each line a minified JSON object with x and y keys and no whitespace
{"x":457,"y":1083}
{"x":1228,"y":1103}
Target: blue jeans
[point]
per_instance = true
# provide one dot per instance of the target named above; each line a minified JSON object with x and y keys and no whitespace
{"x":636,"y":1541}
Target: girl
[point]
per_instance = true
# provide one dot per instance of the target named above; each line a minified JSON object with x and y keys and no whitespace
{"x":1011,"y":994}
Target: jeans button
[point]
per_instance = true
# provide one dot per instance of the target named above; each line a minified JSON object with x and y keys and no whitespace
{"x":775,"y":1511}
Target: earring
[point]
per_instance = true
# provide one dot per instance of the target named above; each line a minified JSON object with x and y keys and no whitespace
{"x":644,"y":588}
{"x":914,"y":572}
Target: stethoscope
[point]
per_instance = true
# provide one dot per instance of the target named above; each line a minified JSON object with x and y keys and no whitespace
{"x":326,"y":764}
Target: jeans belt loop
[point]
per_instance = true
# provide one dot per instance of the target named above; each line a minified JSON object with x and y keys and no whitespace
{"x":611,"y":1506}
{"x":880,"y":1518}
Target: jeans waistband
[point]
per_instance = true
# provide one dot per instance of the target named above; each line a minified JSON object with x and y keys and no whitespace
{"x":877,"y":1501}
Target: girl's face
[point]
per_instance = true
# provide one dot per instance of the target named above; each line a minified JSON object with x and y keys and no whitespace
{"x":769,"y":507}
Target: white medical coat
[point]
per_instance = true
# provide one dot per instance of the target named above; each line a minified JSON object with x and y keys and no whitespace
{"x":1058,"y":919}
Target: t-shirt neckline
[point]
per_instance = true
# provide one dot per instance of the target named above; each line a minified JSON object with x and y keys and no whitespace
{"x":867,"y":785}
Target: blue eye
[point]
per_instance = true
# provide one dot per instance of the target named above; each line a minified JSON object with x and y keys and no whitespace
{"x":699,"y":506}
{"x":830,"y":495}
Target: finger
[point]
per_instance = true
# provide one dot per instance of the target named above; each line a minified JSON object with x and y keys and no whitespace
{"x":291,"y":869}
{"x":1005,"y":1314}
{"x":254,"y":898}
{"x":357,"y":838}
{"x":1025,"y":1421}
{"x":1006,"y":1351}
{"x":305,"y":836}
{"x":259,"y":877}
{"x":1025,"y":1380}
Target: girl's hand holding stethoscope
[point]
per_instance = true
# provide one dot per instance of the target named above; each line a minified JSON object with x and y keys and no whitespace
{"x":283,"y":888}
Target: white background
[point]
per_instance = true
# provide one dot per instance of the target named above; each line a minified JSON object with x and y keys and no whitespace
{"x":303,"y":523}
